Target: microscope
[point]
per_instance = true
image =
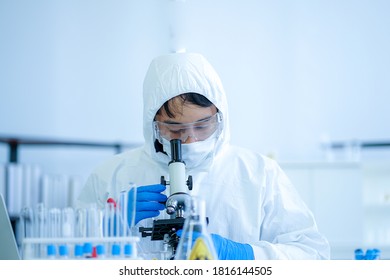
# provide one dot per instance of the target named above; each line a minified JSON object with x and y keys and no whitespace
{"x":177,"y":204}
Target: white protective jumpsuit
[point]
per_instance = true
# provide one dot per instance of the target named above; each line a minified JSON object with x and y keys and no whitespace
{"x":248,"y":197}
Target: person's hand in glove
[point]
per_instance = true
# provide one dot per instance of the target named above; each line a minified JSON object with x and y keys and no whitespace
{"x":230,"y":250}
{"x":149,"y":202}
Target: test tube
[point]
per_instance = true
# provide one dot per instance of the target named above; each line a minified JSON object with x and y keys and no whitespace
{"x":109,"y":226}
{"x":93,"y":223}
{"x":67,"y":222}
{"x":93,"y":226}
{"x":107,"y":219}
{"x":100,"y":251}
{"x":131,"y":206}
{"x":359,"y":254}
{"x":54,"y":231}
{"x":80,"y":231}
{"x":373,"y":254}
{"x":67,"y":230}
{"x":115,"y":249}
{"x":40,"y":228}
{"x":27,"y":216}
{"x":27,"y":223}
{"x":130,"y":249}
{"x":122,"y":218}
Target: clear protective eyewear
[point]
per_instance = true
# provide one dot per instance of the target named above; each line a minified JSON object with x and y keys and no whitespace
{"x":199,"y":130}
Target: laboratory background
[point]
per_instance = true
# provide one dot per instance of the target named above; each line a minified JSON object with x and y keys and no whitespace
{"x":308,"y":84}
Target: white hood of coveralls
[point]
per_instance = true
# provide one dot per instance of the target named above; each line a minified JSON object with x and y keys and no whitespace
{"x":174,"y":74}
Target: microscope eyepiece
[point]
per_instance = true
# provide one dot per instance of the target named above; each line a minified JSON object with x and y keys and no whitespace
{"x":176,"y":150}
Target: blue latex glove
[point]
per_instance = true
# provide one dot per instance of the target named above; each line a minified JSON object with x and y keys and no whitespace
{"x":149,"y":202}
{"x":187,"y":242}
{"x":230,"y":250}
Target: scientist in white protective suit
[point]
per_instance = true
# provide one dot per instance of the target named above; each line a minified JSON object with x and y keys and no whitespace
{"x":253,"y":209}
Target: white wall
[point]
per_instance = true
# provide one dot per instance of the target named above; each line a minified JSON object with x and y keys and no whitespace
{"x":297,"y":71}
{"x":294,"y":71}
{"x":74,"y":70}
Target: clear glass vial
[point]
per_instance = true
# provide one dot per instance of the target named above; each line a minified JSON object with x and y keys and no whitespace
{"x":195,"y":242}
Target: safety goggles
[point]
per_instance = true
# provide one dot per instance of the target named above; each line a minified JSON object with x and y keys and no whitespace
{"x":199,"y":131}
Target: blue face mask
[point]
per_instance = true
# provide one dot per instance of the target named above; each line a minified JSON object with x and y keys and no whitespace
{"x":195,"y":154}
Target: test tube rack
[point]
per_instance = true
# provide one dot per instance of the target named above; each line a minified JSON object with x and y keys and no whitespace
{"x":80,"y":248}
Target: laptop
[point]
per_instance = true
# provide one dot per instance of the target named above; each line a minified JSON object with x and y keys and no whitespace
{"x":8,"y":248}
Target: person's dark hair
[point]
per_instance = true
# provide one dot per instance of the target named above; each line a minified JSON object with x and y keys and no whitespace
{"x":189,"y":97}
